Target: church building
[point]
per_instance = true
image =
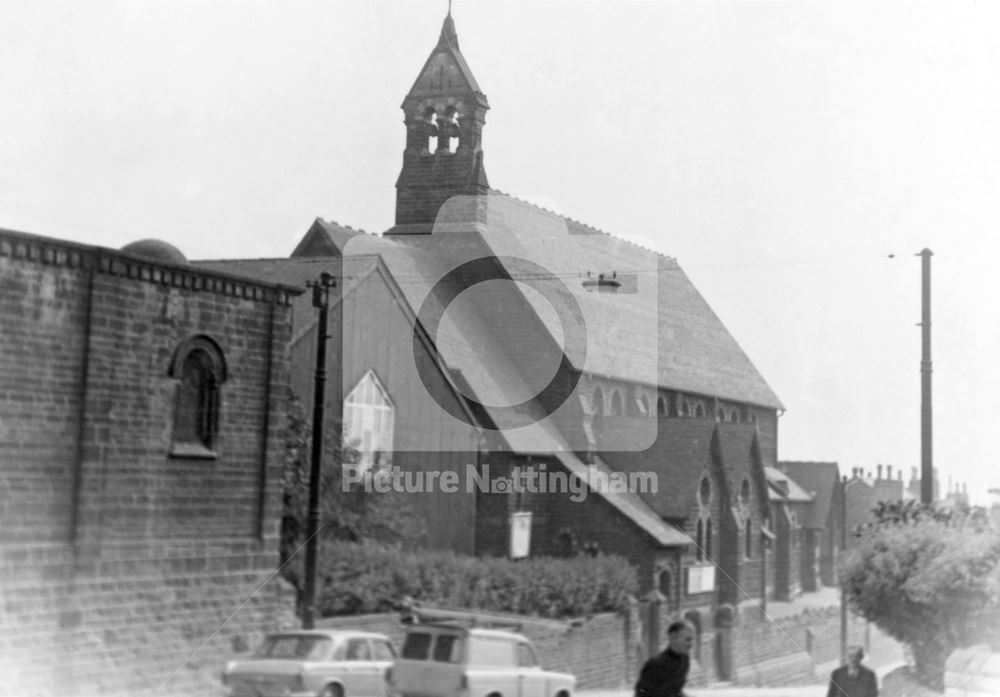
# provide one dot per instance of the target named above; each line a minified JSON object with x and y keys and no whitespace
{"x":530,"y":354}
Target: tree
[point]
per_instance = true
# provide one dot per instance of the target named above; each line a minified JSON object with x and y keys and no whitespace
{"x":353,"y":513}
{"x":923,"y":575}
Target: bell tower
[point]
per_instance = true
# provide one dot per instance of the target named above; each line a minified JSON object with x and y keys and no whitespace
{"x":444,"y":114}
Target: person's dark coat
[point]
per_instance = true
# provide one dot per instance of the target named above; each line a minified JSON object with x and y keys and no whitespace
{"x":663,"y":675}
{"x":864,"y":684}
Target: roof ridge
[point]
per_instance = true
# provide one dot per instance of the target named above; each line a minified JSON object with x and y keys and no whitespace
{"x":594,"y":230}
{"x":348,"y":227}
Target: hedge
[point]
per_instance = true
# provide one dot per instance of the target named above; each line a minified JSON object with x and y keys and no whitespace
{"x":359,"y":579}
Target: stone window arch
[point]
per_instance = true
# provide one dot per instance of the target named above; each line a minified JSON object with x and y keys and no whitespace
{"x":199,"y":367}
{"x":369,"y":422}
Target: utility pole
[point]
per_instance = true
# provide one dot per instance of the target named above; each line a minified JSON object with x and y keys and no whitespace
{"x":321,"y":300}
{"x":926,"y":437}
{"x":843,"y":552}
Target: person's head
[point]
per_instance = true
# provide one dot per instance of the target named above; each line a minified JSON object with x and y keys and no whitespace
{"x":680,"y":637}
{"x":854,"y":656}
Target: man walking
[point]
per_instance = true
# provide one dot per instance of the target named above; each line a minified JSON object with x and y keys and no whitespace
{"x":853,"y":679}
{"x":664,"y":675}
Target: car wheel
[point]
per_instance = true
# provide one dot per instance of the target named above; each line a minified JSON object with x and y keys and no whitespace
{"x":332,"y":691}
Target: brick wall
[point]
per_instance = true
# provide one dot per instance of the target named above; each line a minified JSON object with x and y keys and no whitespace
{"x":788,"y":650}
{"x":126,"y":570}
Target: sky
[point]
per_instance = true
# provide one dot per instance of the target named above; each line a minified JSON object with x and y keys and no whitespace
{"x":780,"y":150}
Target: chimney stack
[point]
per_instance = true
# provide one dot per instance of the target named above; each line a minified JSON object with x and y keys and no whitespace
{"x":888,"y":471}
{"x":878,"y":468}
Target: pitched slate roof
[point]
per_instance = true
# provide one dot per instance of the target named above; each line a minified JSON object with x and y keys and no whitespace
{"x":819,"y":479}
{"x":788,"y":487}
{"x":662,"y":334}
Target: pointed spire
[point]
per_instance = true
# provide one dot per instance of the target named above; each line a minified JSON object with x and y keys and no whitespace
{"x":448,"y":34}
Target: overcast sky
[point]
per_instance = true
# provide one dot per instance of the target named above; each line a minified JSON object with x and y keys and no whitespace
{"x":779,"y":150}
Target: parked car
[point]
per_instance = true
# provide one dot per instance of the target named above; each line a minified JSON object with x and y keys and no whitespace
{"x":313,"y":663}
{"x":440,"y":660}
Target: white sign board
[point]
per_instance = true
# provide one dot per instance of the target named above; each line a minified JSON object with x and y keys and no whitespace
{"x":520,"y":535}
{"x":701,"y":579}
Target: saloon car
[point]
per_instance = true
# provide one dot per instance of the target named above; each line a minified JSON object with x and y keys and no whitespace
{"x":455,"y":661}
{"x":313,"y":663}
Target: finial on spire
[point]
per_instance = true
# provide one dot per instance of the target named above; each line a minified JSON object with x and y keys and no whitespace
{"x":448,"y":34}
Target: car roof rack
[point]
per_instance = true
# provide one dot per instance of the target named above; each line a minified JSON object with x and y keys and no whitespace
{"x":459,"y":619}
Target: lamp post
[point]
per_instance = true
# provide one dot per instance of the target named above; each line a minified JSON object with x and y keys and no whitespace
{"x":321,"y":300}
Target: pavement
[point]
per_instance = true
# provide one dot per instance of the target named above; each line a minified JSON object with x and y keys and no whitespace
{"x":981,"y":679}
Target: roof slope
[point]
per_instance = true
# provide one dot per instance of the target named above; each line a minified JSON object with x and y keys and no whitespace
{"x":658,"y":330}
{"x":786,"y":486}
{"x":819,"y":479}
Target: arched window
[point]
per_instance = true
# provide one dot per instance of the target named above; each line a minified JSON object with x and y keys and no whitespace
{"x":699,"y":411}
{"x":705,"y":490}
{"x":694,"y":617}
{"x":567,"y":544}
{"x":748,"y":540}
{"x":369,"y":421}
{"x":430,"y":127}
{"x":661,"y":406}
{"x":666,"y":585}
{"x":597,"y":405}
{"x":616,"y":403}
{"x":699,"y":540}
{"x":200,"y":369}
{"x":745,"y":492}
{"x":708,"y":538}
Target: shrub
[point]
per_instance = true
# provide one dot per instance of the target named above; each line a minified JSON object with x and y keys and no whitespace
{"x":361,"y":579}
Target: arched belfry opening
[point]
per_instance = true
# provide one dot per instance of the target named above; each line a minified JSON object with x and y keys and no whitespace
{"x":444,"y":113}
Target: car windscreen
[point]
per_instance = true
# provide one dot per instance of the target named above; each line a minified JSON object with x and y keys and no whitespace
{"x":416,"y":646}
{"x":294,"y":646}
